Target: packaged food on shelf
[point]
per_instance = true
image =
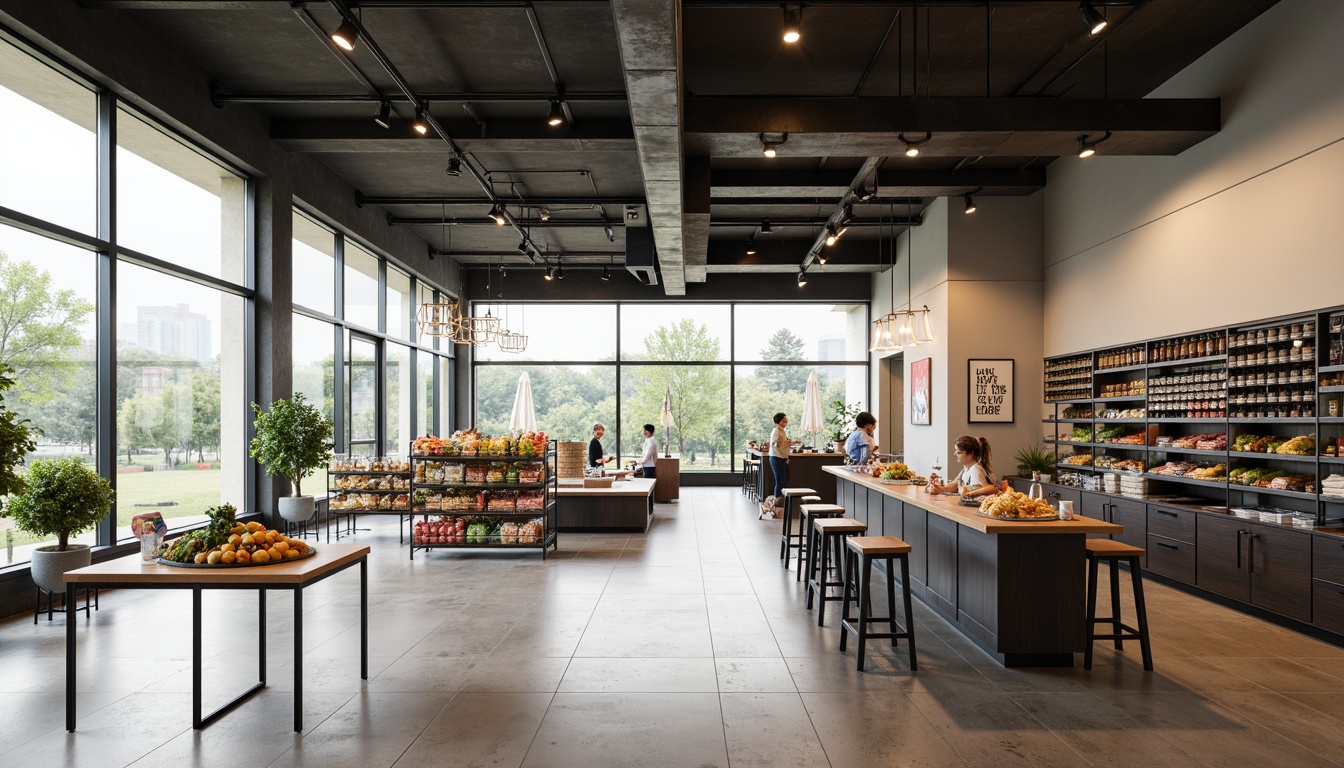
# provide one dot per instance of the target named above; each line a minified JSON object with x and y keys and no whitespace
{"x":508,"y":533}
{"x":501,"y":501}
{"x":474,"y":473}
{"x":494,"y":473}
{"x":532,"y":531}
{"x":529,"y":500}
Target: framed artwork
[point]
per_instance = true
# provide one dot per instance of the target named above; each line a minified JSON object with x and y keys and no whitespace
{"x":990,"y":389}
{"x":920,"y":412}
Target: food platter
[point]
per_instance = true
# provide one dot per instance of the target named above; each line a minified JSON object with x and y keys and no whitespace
{"x":900,"y":482}
{"x":219,"y":566}
{"x":1018,"y":519}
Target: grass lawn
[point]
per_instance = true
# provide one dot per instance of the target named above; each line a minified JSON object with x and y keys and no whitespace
{"x":194,"y":490}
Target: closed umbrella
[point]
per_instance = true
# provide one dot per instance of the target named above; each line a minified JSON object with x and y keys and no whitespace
{"x":666,"y":420}
{"x":812,"y":421}
{"x":524,"y":416}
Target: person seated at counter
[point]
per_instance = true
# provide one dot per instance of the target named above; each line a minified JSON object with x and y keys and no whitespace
{"x":649,"y":460}
{"x":595,"y":455}
{"x":861,"y":446}
{"x":977,"y":474}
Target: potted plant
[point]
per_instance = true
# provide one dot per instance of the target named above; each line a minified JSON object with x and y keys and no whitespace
{"x":63,"y":497}
{"x":1034,"y":458}
{"x":842,"y":419}
{"x":292,"y":441}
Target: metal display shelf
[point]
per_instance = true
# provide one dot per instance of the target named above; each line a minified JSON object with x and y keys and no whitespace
{"x":548,"y":487}
{"x":1190,"y":451}
{"x":1271,"y":456}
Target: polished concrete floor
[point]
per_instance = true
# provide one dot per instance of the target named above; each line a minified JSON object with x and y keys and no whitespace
{"x":688,"y":646}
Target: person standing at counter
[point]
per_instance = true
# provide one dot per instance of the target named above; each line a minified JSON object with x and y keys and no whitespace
{"x":649,"y":460}
{"x":595,"y":457}
{"x":977,"y":474}
{"x":861,"y":446}
{"x":779,"y":464}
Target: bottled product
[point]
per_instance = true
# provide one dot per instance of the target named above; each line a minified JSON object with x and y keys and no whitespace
{"x":1036,"y":491}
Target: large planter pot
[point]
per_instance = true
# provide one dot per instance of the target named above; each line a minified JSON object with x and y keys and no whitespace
{"x":296,"y":509}
{"x":49,"y":566}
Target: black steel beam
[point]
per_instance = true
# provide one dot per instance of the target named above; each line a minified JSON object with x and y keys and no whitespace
{"x":553,"y":223}
{"x":253,"y":5}
{"x":752,"y":114}
{"x":767,"y":178}
{"x":531,"y":202}
{"x":315,"y":132}
{"x":221,"y":98}
{"x":726,"y":253}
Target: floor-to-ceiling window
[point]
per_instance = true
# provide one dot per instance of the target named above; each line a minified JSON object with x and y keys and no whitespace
{"x":724,"y":368}
{"x":168,"y":277}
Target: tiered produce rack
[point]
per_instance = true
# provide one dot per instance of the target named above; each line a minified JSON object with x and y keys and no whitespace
{"x":506,"y":501}
{"x":370,"y":486}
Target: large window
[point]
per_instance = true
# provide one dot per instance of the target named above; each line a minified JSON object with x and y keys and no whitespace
{"x":361,"y":287}
{"x":725,"y":369}
{"x":314,"y":265}
{"x":48,"y":339}
{"x":398,"y":304}
{"x":399,"y":394}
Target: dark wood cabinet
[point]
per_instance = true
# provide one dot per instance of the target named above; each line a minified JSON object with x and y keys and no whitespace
{"x":942,"y":548}
{"x":1133,"y":515}
{"x":1327,"y":555}
{"x":1097,"y":507}
{"x":1327,"y":605}
{"x":1172,"y":523}
{"x":1172,"y":558}
{"x":917,"y":536}
{"x":1280,"y":566}
{"x":1221,"y":563}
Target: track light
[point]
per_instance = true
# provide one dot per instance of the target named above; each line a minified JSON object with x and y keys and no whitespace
{"x":771,"y":148}
{"x":559,"y":271}
{"x":606,"y":274}
{"x":802,"y":279}
{"x":544,"y":214}
{"x":503,"y":271}
{"x":345,"y":35}
{"x":821,"y":258}
{"x":384,"y":118}
{"x":557,"y":115}
{"x":970,"y":204}
{"x":550,"y":273}
{"x":1092,"y":18}
{"x":420,"y":125}
{"x":611,"y":235}
{"x":831,"y":235}
{"x":522,"y":247}
{"x":911,"y":146}
{"x":454,"y":166}
{"x":497,"y":215}
{"x":1089,"y":148}
{"x":793,"y":31}
{"x":751,"y":245}
{"x":765,"y":227}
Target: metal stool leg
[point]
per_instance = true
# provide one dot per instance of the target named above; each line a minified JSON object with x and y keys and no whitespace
{"x":1142,"y":609}
{"x":891,"y":599}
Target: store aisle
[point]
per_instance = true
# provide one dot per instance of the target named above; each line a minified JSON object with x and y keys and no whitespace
{"x":688,"y":646}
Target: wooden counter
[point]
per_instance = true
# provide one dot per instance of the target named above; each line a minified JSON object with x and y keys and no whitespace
{"x":1015,"y":588}
{"x":805,"y":471}
{"x":626,"y":506}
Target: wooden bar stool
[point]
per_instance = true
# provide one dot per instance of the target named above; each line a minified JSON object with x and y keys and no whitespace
{"x":788,"y":539}
{"x":860,"y":554}
{"x":1113,"y":552}
{"x":810,"y":512}
{"x":828,"y":532}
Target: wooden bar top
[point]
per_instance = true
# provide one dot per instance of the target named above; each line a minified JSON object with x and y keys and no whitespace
{"x":130,"y":570}
{"x":946,"y":506}
{"x":635,"y":486}
{"x":795,"y":454}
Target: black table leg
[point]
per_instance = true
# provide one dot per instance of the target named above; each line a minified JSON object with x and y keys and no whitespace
{"x":298,"y":658}
{"x":69,"y":662}
{"x":196,"y":658}
{"x":364,"y":617}
{"x":261,"y":636}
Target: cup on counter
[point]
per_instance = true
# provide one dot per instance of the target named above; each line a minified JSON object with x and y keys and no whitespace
{"x":1065,"y":509}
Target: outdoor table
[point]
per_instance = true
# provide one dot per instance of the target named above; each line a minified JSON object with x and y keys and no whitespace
{"x":130,"y":573}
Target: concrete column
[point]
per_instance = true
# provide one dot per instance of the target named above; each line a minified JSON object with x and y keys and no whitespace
{"x":274,"y":319}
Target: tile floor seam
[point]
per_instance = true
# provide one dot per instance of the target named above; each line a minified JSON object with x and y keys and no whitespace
{"x":304,"y":732}
{"x":1250,"y":716}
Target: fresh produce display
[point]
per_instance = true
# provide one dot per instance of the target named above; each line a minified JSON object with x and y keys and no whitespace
{"x":1077,"y":460}
{"x":470,"y":442}
{"x":225,"y":542}
{"x":1079,"y":435}
{"x":1304,"y":445}
{"x":1011,"y":505}
{"x":1118,"y":464}
{"x":1216,"y":472}
{"x":1078,"y":412}
{"x":1262,"y":477}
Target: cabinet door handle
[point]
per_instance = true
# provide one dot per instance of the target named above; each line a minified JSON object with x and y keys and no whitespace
{"x":1165,"y":512}
{"x":1250,"y":554}
{"x":1239,"y":535}
{"x":1168,"y":546}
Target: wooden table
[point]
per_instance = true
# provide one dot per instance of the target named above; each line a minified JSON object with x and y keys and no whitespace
{"x":1015,"y":588}
{"x":626,"y":506}
{"x":130,"y":573}
{"x":805,"y":471}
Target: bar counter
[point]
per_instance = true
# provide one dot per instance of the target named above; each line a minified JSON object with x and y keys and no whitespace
{"x":805,"y":471}
{"x":1015,"y":588}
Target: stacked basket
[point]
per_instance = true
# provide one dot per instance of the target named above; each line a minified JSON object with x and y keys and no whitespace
{"x":570,"y":458}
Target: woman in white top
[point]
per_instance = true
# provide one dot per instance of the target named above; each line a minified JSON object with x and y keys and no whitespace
{"x":649,"y":459}
{"x":977,"y":475}
{"x":779,"y":462}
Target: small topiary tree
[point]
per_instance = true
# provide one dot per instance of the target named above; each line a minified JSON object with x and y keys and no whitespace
{"x":63,"y":497}
{"x":293,"y":440}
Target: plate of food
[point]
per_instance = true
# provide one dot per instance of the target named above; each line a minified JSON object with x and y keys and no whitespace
{"x":225,"y":543}
{"x":1012,"y":505}
{"x":896,"y":473}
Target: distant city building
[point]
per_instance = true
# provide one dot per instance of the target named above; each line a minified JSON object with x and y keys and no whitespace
{"x":175,"y":331}
{"x":831,"y":347}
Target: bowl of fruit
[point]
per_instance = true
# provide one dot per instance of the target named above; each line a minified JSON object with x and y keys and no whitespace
{"x":225,"y":543}
{"x":896,"y":473}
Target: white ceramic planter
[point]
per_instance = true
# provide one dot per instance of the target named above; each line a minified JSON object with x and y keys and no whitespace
{"x":49,"y":566}
{"x":296,"y":509}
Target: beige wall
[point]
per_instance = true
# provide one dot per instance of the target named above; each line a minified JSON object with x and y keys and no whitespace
{"x":1245,"y":225}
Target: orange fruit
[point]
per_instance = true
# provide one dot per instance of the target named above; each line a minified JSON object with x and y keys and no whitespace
{"x":261,"y":557}
{"x":291,"y":554}
{"x":200,"y":558}
{"x":229,"y":558}
{"x":235,"y":540}
{"x":244,"y":556}
{"x":228,"y":547}
{"x":254,"y":526}
{"x":282,"y":546}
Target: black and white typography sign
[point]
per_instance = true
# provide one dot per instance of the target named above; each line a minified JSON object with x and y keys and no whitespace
{"x":991,"y":386}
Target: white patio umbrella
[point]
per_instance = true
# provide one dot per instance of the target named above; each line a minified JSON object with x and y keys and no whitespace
{"x":666,"y":420}
{"x":524,"y":416}
{"x":812,"y":421}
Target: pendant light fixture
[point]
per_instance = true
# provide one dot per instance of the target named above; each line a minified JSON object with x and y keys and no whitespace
{"x":971,"y":207}
{"x":496,"y":215}
{"x":1088,"y":148}
{"x":900,"y":328}
{"x":751,"y":245}
{"x":802,"y":278}
{"x":770,"y":148}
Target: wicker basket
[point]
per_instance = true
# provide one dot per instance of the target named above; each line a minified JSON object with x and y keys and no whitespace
{"x":597,"y":482}
{"x":570,"y":458}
